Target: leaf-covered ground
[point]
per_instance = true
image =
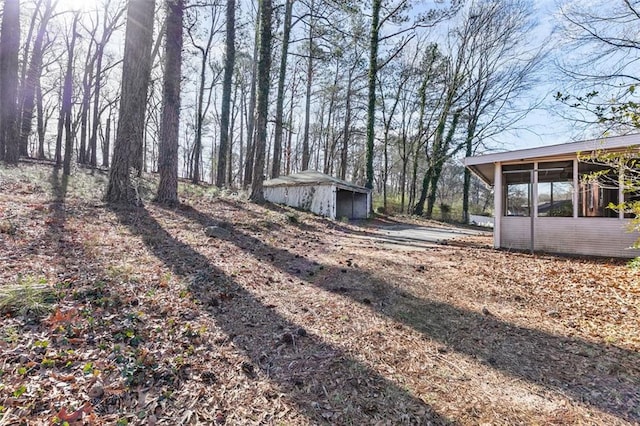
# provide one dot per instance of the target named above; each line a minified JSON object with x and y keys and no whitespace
{"x":224,"y":312}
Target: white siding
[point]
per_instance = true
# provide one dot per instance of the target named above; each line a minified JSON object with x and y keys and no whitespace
{"x":318,"y":199}
{"x":515,"y":232}
{"x":584,"y":236}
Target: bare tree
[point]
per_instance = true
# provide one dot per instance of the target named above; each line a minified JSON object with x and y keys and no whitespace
{"x":9,"y":48}
{"x":503,"y":66}
{"x":110,"y":24}
{"x":169,"y":130}
{"x":262,"y":108}
{"x":277,"y":137}
{"x":135,"y":81}
{"x":250,"y":157}
{"x":382,"y":13}
{"x":67,"y":96}
{"x":204,"y":49}
{"x":229,"y":61}
{"x":85,"y":103}
{"x":601,"y":70}
{"x":33,"y":74}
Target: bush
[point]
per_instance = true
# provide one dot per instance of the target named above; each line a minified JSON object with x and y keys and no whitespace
{"x":445,"y":212}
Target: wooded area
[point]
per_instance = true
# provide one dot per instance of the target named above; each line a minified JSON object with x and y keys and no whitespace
{"x":385,"y":94}
{"x":144,"y":281}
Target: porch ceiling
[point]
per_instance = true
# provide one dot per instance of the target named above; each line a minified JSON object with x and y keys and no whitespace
{"x":483,"y":165}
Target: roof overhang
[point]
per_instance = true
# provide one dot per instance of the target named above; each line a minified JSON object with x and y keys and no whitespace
{"x":313,"y":178}
{"x":483,"y":166}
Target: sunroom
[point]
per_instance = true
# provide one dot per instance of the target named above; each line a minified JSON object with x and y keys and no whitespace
{"x":554,"y":199}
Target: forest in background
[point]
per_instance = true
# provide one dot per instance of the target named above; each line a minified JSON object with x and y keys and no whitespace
{"x":387,"y":94}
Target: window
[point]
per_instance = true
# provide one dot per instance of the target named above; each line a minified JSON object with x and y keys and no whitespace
{"x":517,"y":184}
{"x":598,"y":188}
{"x":555,"y":189}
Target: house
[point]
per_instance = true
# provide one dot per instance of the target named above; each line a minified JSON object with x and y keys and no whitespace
{"x":543,"y":200}
{"x":321,"y":194}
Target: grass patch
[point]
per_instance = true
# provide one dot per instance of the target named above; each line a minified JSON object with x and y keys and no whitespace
{"x":29,"y":298}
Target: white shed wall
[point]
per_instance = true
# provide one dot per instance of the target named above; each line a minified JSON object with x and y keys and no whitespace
{"x":315,"y":198}
{"x":584,"y":236}
{"x":476,"y":219}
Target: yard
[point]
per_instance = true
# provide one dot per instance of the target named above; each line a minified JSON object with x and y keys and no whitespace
{"x":226,"y":312}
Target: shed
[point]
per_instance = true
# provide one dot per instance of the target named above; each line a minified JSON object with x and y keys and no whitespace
{"x":321,"y":194}
{"x":544,"y":202}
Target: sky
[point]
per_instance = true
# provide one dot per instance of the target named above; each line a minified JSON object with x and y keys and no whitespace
{"x":545,"y":125}
{"x":549,"y":124}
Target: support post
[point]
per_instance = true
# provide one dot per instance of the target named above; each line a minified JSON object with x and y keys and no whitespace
{"x":497,"y":204}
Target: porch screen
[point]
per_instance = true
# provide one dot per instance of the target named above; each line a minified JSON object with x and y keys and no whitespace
{"x":517,"y":189}
{"x":598,"y":187}
{"x":555,"y":189}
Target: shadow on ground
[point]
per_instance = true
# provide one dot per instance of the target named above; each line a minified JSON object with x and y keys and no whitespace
{"x":604,"y":377}
{"x":319,"y":378}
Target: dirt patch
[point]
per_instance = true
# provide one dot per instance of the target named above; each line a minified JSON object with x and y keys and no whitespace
{"x":158,"y":319}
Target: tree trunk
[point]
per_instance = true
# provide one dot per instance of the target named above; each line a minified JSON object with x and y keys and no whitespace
{"x":135,"y":81}
{"x":169,"y":127}
{"x":25,"y":65}
{"x":403,"y":177}
{"x":371,"y":104}
{"x":107,"y":31}
{"x":93,"y":140}
{"x":471,"y":129}
{"x":32,"y":80}
{"x":197,"y":145}
{"x":232,"y":124}
{"x":66,"y":98}
{"x":307,"y":109}
{"x":346,"y":131}
{"x":24,"y":148}
{"x":40,"y":121}
{"x":277,"y":139}
{"x":225,"y":109}
{"x":83,"y":154}
{"x":107,"y":142}
{"x":249,"y":161}
{"x":241,"y":112}
{"x":58,"y":149}
{"x":9,"y":48}
{"x":419,"y":206}
{"x":440,"y":156}
{"x":195,"y":157}
{"x":264,"y":65}
{"x":287,"y":169}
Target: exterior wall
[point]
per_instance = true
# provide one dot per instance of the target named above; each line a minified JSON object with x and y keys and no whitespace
{"x":515,"y":232}
{"x":584,"y":235}
{"x":318,"y":199}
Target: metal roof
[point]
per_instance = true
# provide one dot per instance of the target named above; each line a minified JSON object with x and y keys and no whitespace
{"x":483,"y":165}
{"x":310,"y":178}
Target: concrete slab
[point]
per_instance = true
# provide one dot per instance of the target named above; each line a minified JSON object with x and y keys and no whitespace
{"x":407,"y":236}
